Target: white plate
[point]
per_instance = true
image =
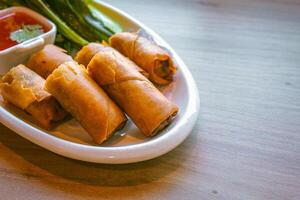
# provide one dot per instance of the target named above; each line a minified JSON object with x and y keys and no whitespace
{"x":127,"y":146}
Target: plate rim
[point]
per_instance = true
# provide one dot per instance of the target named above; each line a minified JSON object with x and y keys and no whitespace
{"x":120,"y":154}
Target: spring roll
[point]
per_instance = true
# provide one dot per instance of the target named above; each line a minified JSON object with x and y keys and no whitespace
{"x":24,"y":88}
{"x":71,"y":85}
{"x":148,"y":108}
{"x":147,"y":55}
{"x":88,"y":52}
{"x":48,"y":59}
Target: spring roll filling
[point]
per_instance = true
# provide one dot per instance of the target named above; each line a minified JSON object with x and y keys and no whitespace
{"x":163,"y":68}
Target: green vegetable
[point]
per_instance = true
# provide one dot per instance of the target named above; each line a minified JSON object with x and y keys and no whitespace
{"x":107,"y":22}
{"x":66,"y":14}
{"x":62,"y":26}
{"x":26,"y":32}
{"x":81,"y":10}
{"x":66,"y":44}
{"x":8,"y":3}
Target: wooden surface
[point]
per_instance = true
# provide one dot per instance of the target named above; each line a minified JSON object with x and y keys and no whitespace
{"x":245,"y":57}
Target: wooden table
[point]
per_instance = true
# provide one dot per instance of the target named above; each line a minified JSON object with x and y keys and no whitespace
{"x":245,"y":57}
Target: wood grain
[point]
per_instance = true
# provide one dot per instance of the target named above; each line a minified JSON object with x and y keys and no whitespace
{"x":245,"y":58}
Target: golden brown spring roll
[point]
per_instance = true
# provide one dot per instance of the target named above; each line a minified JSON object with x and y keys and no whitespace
{"x":147,"y":55}
{"x":88,"y":52}
{"x":71,"y":85}
{"x":48,"y":59}
{"x":24,"y":88}
{"x":149,"y":109}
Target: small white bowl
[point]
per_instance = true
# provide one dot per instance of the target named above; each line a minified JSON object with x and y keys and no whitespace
{"x":20,"y":53}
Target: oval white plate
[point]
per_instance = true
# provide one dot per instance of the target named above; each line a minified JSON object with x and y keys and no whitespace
{"x":127,"y":146}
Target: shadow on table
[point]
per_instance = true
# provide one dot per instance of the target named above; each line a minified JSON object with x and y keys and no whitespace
{"x":66,"y":170}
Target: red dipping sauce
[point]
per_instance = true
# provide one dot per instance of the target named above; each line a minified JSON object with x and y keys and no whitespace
{"x":12,"y":22}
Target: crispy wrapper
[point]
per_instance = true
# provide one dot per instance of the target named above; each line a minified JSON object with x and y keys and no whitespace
{"x":47,"y":60}
{"x":149,"y":109}
{"x":87,"y":53}
{"x":25,"y":89}
{"x":71,"y":85}
{"x":146,"y":54}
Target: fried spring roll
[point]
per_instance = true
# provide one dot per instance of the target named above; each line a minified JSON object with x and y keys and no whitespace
{"x":48,"y":59}
{"x":88,"y":52}
{"x":147,"y":55}
{"x":25,"y":89}
{"x":71,"y":85}
{"x":149,"y":109}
